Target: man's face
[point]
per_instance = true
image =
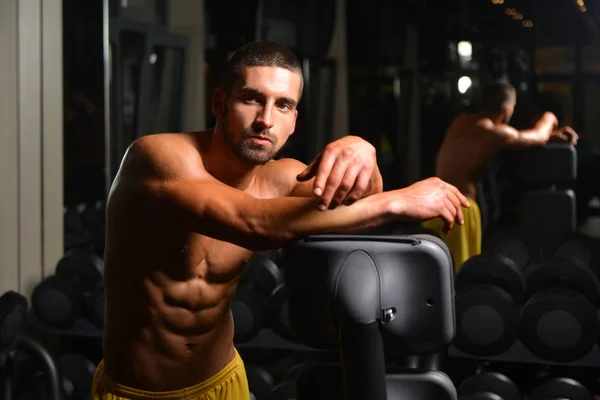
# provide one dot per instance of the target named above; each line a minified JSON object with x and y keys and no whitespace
{"x":260,"y":114}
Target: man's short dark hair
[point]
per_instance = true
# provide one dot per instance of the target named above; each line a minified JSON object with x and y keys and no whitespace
{"x":261,"y":53}
{"x":497,"y":94}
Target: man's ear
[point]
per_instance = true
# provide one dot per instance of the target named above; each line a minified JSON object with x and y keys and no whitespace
{"x":218,"y":102}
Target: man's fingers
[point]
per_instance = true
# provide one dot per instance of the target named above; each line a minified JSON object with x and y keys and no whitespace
{"x":448,"y":218}
{"x":360,"y":186}
{"x":347,"y":184}
{"x":310,"y":170}
{"x":326,"y":163}
{"x":461,"y":197}
{"x":333,"y":181}
{"x":455,"y":210}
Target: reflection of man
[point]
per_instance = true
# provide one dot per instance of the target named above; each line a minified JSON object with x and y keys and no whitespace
{"x":188,"y":210}
{"x":474,"y":139}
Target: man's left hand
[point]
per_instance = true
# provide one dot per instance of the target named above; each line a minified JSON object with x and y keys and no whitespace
{"x":567,"y":134}
{"x":342,"y":171}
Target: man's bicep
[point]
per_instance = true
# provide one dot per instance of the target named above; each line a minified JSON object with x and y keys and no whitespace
{"x":503,"y":135}
{"x":204,"y":206}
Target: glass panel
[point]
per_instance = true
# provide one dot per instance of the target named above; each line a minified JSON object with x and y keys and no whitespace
{"x":590,"y":59}
{"x":558,"y":98}
{"x":130,"y":59}
{"x":164,"y":106}
{"x":554,"y":60}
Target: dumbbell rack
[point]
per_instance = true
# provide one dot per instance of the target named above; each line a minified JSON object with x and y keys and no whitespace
{"x":81,"y":328}
{"x":518,"y":353}
{"x":267,"y":339}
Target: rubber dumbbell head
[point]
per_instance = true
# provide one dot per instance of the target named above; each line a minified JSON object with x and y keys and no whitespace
{"x":13,"y":311}
{"x":279,"y":317}
{"x":283,"y":391}
{"x":82,"y":267}
{"x":561,"y":388}
{"x":260,"y":381}
{"x":248,"y":313}
{"x":559,"y":321}
{"x":263,"y":273}
{"x":57,"y":302}
{"x":251,"y":301}
{"x":582,"y":248}
{"x":489,"y":385}
{"x":488,"y":291}
{"x":511,"y":244}
{"x":77,"y":373}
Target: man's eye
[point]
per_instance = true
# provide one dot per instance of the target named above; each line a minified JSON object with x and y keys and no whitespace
{"x":284,"y":106}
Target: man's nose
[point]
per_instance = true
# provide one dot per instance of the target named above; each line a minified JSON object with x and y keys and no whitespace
{"x":265,"y":117}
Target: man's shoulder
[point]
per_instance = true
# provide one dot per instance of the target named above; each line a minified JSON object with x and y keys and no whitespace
{"x":282,"y":173}
{"x":162,"y":155}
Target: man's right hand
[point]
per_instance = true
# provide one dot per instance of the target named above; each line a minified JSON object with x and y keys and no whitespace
{"x":432,"y":198}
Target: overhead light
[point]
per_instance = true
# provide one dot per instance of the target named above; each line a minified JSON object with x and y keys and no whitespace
{"x":583,"y":9}
{"x":527,"y":24}
{"x":580,"y":3}
{"x":518,"y":16}
{"x":464,"y":83}
{"x":465,"y":49}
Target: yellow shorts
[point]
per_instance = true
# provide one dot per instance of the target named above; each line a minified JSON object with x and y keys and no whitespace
{"x":462,"y":241}
{"x":230,"y":383}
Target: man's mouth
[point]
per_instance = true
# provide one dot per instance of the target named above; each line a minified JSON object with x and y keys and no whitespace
{"x":261,"y":139}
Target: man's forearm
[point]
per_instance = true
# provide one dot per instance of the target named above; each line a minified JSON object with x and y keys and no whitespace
{"x":533,"y":137}
{"x":540,"y":133}
{"x":276,"y":222}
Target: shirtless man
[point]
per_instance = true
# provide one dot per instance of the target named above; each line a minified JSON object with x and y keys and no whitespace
{"x":186,"y":212}
{"x":474,"y":139}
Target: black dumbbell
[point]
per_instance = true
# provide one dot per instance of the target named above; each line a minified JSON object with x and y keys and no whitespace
{"x":249,"y":305}
{"x":76,"y":374}
{"x":279,"y":317}
{"x":489,"y":386}
{"x":512,"y":244}
{"x":75,"y":371}
{"x":289,"y":371}
{"x":283,"y":391}
{"x":13,"y":311}
{"x":260,"y":380}
{"x":559,"y":321}
{"x":63,"y":298}
{"x":561,"y":389}
{"x":488,"y":292}
{"x":582,"y":248}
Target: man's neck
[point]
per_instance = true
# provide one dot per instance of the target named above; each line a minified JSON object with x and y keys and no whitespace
{"x":221,"y":163}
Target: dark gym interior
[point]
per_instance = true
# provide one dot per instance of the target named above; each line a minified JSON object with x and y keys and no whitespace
{"x":394,"y":72}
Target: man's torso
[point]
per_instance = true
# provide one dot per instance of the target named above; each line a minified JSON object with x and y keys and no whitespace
{"x":465,"y":152}
{"x":168,"y":323}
